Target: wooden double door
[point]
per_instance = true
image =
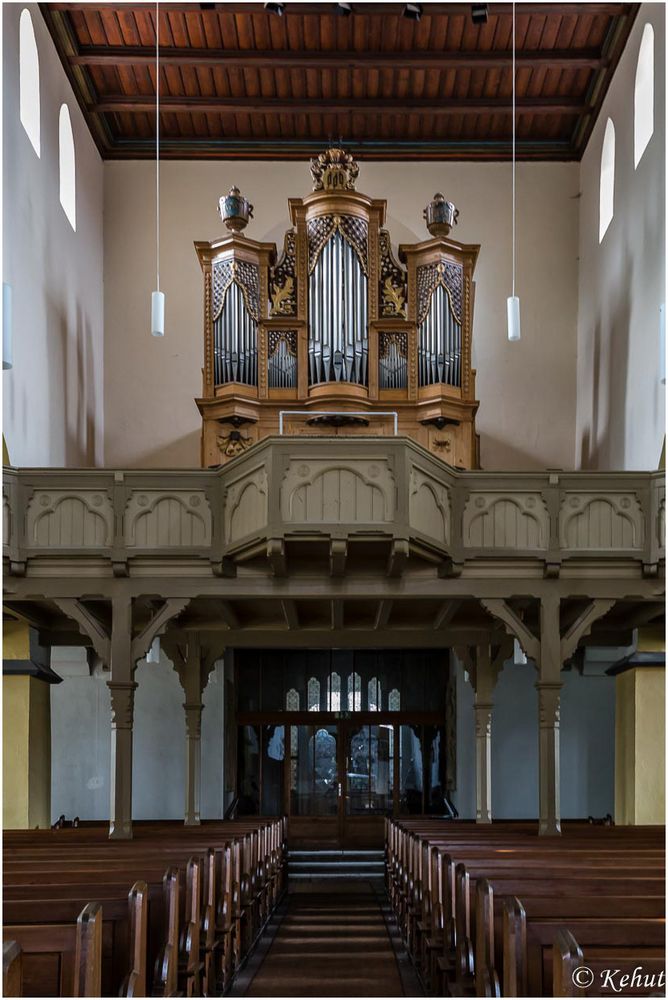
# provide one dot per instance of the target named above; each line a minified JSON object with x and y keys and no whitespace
{"x":341,"y":781}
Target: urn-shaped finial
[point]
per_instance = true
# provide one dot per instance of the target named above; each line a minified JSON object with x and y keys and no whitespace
{"x":440,"y":215}
{"x":235,"y":210}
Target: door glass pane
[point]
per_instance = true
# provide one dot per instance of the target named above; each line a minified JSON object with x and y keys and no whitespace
{"x":249,"y":770}
{"x":382,"y":769}
{"x":358,"y":778}
{"x":273,"y":755}
{"x":435,"y":776}
{"x":314,"y":781}
{"x":410,"y":769}
{"x":370,"y":759}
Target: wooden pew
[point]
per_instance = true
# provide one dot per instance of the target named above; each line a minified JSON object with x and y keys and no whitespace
{"x":12,"y":969}
{"x":44,"y":871}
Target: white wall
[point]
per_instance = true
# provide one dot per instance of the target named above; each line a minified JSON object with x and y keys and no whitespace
{"x":150,"y":384}
{"x":81,"y":742}
{"x":53,"y":398}
{"x":587,"y":743}
{"x":620,"y":402}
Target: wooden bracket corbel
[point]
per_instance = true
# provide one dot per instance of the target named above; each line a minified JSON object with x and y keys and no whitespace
{"x":142,"y":642}
{"x":398,"y":557}
{"x":276,"y":556}
{"x":338,"y":554}
{"x":88,"y":624}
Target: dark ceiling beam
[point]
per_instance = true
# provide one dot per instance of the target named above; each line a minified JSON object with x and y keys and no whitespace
{"x":179,"y":148}
{"x":127,"y":55}
{"x":271,"y":105}
{"x":613,"y":46}
{"x":300,"y":9}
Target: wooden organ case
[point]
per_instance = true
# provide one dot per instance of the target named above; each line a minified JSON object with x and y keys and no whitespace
{"x":336,"y":328}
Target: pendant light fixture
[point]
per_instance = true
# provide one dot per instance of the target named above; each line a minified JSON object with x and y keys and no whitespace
{"x":513,"y":300}
{"x":158,"y":297}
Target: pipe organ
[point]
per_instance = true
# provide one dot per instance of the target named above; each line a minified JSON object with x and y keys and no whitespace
{"x":337,"y":327}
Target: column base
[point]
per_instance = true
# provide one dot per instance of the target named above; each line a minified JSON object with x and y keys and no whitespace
{"x":120,"y":832}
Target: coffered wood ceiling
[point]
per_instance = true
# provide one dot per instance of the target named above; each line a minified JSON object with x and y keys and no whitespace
{"x":239,"y":82}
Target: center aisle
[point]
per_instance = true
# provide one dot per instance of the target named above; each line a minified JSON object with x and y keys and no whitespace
{"x":332,"y":941}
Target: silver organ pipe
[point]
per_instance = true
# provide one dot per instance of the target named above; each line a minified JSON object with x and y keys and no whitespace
{"x":282,"y":363}
{"x":392,"y":361}
{"x":440,"y":343}
{"x":338,"y":316}
{"x":235,"y":341}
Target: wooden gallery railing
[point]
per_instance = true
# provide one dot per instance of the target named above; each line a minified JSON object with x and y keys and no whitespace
{"x":184,"y":928}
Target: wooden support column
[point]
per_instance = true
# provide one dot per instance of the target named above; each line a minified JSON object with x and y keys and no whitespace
{"x":122,"y":688}
{"x":549,"y":653}
{"x":483,"y":664}
{"x":193,"y":763}
{"x":193,"y":663}
{"x":120,"y":652}
{"x":549,"y":716}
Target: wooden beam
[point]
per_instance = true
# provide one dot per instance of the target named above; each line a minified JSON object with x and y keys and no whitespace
{"x":229,"y":615}
{"x":446,"y":613}
{"x":142,"y":104}
{"x":144,"y":55}
{"x":383,"y":612}
{"x":289,"y":609}
{"x":336,"y":609}
{"x":300,"y":9}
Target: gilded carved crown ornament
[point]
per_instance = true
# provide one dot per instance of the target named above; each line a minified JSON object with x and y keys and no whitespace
{"x":334,"y":170}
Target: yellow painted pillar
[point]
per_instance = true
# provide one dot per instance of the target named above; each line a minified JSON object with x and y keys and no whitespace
{"x":26,"y":733}
{"x":640,"y":736}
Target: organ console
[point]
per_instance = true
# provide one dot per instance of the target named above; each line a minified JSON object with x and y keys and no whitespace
{"x":336,"y":328}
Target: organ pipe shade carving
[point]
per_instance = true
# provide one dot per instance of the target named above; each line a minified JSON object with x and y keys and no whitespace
{"x":440,"y":343}
{"x":338,"y":345}
{"x":235,"y":340}
{"x":282,"y":360}
{"x":393,"y":360}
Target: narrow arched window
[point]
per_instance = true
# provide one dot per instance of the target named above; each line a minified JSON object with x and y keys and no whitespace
{"x":607,"y":190}
{"x":29,"y":80}
{"x":354,"y":693}
{"x":292,"y":700}
{"x":313,"y":694}
{"x":67,"y":164}
{"x":643,"y":95}
{"x":334,"y":692}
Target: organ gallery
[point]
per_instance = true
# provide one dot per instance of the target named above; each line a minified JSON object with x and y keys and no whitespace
{"x":334,"y":327}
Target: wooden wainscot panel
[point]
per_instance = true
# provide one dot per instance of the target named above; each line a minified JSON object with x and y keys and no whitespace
{"x":601,"y":521}
{"x":246,"y":505}
{"x":505,"y":521}
{"x":429,"y":506}
{"x":70,"y":519}
{"x":338,"y":490}
{"x":156,"y":519}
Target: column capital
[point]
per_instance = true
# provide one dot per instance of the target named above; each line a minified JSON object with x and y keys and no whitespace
{"x":122,"y":703}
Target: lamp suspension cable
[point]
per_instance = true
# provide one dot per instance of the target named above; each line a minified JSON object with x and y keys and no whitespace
{"x":514,"y":151}
{"x":513,"y":304}
{"x":158,"y":298}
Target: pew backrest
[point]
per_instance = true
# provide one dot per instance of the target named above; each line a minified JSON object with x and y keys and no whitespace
{"x":12,"y":969}
{"x":88,"y":956}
